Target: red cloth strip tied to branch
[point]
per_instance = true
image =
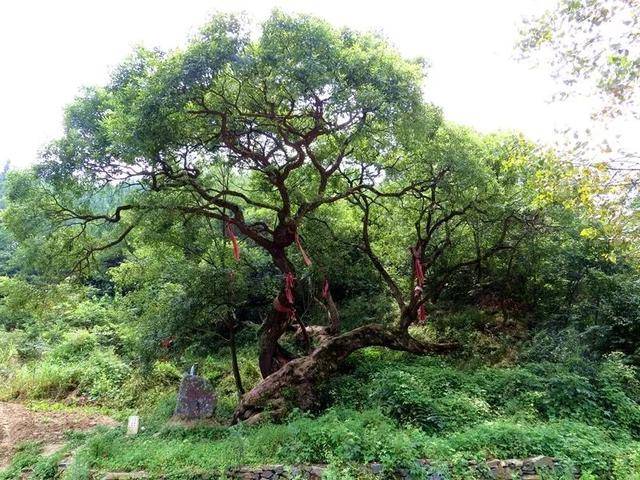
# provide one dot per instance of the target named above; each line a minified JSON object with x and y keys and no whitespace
{"x":305,"y":257}
{"x":422,"y":314}
{"x":325,"y":288}
{"x":417,"y":292}
{"x":290,"y":311}
{"x":289,"y":281}
{"x":417,"y":266}
{"x":234,"y":240}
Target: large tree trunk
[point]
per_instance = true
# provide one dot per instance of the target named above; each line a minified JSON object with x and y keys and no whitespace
{"x":272,"y":356}
{"x":299,"y":377}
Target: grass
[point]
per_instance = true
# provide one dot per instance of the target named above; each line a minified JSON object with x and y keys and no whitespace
{"x":386,"y":406}
{"x":29,"y":457}
{"x":347,"y":437}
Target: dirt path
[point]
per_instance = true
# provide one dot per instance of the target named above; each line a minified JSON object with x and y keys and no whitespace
{"x":18,"y":424}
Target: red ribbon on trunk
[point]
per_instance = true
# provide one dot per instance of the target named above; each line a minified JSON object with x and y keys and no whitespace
{"x":290,"y":311}
{"x":417,"y":266}
{"x":422,"y":313}
{"x":305,"y":257}
{"x":419,"y":273}
{"x":325,"y":288}
{"x":234,"y":240}
{"x":289,"y":281}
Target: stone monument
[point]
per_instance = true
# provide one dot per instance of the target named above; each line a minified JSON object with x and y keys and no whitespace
{"x":196,"y":398}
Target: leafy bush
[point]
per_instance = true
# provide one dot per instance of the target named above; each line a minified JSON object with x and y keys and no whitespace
{"x":43,"y":379}
{"x":91,"y":313}
{"x":591,"y":448}
{"x":165,"y":373}
{"x":75,"y":365}
{"x":9,"y":353}
{"x":403,"y":396}
{"x":437,"y":396}
{"x":104,"y":375}
{"x":75,"y":345}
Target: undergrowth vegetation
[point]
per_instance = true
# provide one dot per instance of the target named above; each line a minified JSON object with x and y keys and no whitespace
{"x":359,"y":279}
{"x":387,"y":407}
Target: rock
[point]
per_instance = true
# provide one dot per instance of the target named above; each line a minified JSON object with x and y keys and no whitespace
{"x":512,"y":468}
{"x":196,"y":398}
{"x":497,"y":469}
{"x":316,"y":472}
{"x":513,"y":463}
{"x":133,"y":425}
{"x":529,"y":469}
{"x":376,"y":468}
{"x":295,"y":472}
{"x":65,"y":462}
{"x":246,"y":475}
{"x":534,"y":464}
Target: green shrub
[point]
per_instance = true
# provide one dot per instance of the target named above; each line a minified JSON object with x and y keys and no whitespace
{"x":29,"y":456}
{"x":75,"y":345}
{"x":591,"y":448}
{"x":38,"y":380}
{"x":9,"y":354}
{"x":91,"y":313}
{"x":104,"y":374}
{"x":165,"y":373}
{"x":619,"y":389}
{"x":437,"y":396}
{"x":627,"y":465}
{"x":76,"y":365}
{"x":404,"y":397}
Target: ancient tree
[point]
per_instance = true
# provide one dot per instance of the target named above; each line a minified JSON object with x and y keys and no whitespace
{"x":254,"y":133}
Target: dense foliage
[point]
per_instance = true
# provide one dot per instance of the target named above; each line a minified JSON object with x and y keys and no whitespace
{"x":276,"y":208}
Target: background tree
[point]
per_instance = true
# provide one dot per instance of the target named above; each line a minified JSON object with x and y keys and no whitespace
{"x":593,"y":50}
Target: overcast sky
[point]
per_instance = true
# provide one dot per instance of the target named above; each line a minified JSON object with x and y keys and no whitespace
{"x":49,"y":49}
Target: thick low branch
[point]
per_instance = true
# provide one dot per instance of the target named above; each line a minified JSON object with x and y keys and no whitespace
{"x":304,"y":373}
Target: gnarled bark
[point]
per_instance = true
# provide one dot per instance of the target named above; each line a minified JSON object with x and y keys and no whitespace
{"x":299,"y":377}
{"x":272,"y":356}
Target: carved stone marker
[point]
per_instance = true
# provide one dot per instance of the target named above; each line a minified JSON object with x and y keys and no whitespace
{"x":196,"y":398}
{"x":133,"y":425}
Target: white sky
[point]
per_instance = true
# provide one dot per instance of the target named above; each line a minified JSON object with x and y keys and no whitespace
{"x":49,"y":49}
